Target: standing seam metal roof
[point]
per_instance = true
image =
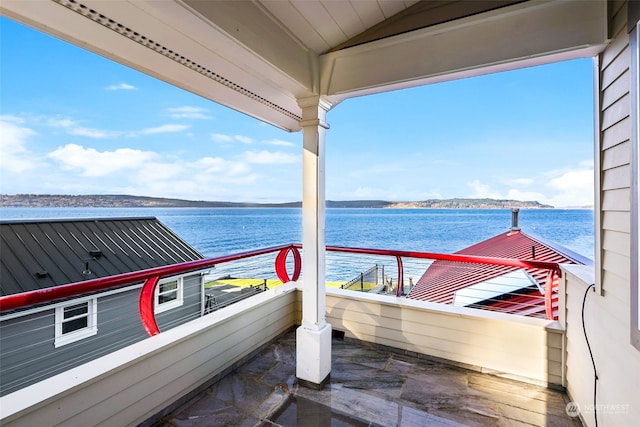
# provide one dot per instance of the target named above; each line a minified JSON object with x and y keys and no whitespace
{"x":39,"y":254}
{"x":443,"y":279}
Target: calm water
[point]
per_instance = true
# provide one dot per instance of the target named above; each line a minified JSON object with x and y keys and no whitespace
{"x":215,"y":232}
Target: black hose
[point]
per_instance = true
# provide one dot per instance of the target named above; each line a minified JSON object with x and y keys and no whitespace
{"x":593,"y":362}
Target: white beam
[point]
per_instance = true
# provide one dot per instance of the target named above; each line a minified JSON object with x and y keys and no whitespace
{"x":313,"y":349}
{"x":207,"y":61}
{"x":526,"y":34}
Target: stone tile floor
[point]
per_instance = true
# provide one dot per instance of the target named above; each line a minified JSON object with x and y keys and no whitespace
{"x":370,"y":386}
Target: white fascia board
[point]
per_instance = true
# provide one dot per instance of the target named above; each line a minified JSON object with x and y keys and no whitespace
{"x":66,"y":24}
{"x":492,"y":288}
{"x":525,"y":34}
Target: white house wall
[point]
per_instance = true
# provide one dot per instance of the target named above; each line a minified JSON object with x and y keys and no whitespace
{"x":513,"y":346}
{"x":607,"y":311}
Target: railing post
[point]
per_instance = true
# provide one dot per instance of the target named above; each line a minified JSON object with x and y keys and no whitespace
{"x":281,"y":265}
{"x":553,"y":279}
{"x":400,"y":277}
{"x":145,"y":306}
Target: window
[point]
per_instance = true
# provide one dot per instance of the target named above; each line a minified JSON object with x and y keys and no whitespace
{"x":168,"y":295}
{"x":76,"y":321}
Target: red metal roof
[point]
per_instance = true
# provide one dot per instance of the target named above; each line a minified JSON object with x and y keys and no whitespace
{"x":443,"y":278}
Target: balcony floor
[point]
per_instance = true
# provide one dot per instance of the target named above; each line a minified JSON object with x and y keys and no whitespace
{"x":370,"y":386}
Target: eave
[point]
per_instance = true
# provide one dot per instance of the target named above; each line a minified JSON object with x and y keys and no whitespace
{"x":240,"y":55}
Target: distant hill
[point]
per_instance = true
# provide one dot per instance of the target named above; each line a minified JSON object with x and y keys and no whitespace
{"x":471,"y":204}
{"x":125,"y":201}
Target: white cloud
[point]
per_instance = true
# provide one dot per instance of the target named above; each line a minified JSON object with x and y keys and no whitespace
{"x":265,"y":157}
{"x":187,"y":112}
{"x":217,"y":165}
{"x":12,"y":118}
{"x":14,"y":156}
{"x":93,"y":133}
{"x":573,"y":188}
{"x":73,"y":128}
{"x":93,"y":163}
{"x":520,"y":182}
{"x":223,"y":138}
{"x":574,"y":180}
{"x":168,"y":128}
{"x":58,"y":122}
{"x":280,"y":143}
{"x":218,"y":137}
{"x":243,"y":139}
{"x":482,"y":191}
{"x":121,"y":86}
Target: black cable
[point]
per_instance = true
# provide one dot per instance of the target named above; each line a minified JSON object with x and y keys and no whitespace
{"x":593,"y":362}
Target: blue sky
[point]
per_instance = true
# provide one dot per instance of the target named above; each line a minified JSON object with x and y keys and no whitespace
{"x":73,"y":122}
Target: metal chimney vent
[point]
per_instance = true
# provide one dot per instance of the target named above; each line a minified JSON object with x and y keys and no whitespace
{"x":514,"y":219}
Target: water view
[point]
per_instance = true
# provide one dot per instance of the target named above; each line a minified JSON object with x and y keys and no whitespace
{"x":220,"y":231}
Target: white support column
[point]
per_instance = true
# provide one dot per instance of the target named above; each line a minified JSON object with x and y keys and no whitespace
{"x":313,"y":337}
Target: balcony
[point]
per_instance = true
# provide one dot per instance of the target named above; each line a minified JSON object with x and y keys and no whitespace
{"x":395,"y":361}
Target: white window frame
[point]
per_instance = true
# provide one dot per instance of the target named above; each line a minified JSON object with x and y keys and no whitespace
{"x":159,"y":307}
{"x":91,"y":329}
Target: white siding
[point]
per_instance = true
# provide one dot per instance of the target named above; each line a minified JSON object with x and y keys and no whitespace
{"x":607,"y":315}
{"x":512,"y":346}
{"x":131,"y":385}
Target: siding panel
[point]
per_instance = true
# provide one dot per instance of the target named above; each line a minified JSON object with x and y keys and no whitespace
{"x":618,"y":264}
{"x":617,"y":156}
{"x":616,"y":134}
{"x":616,"y":200}
{"x":616,"y":68}
{"x":616,"y":242}
{"x":618,"y":89}
{"x":617,"y":221}
{"x":616,"y":112}
{"x":616,"y":47}
{"x":615,"y":178}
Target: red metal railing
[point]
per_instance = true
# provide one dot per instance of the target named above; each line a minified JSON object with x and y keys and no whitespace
{"x":151,"y":277}
{"x":551,"y":284}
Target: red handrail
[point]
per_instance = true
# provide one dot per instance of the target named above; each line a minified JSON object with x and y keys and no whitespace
{"x":448,"y":257}
{"x":151,"y":276}
{"x":11,"y":302}
{"x":550,"y":286}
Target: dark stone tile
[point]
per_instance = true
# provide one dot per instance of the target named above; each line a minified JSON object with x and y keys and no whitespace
{"x":281,"y":375}
{"x":236,"y":391}
{"x":357,"y":376}
{"x":452,"y":400}
{"x":361,"y":355}
{"x":256,"y":368}
{"x":371,"y":386}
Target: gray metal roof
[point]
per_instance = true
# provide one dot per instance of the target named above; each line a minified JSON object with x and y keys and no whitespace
{"x":38,"y":254}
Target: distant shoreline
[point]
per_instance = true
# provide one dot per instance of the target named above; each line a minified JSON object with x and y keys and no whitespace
{"x":127,"y":201}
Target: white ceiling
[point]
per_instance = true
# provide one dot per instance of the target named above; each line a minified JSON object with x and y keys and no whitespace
{"x":262,"y":57}
{"x":323,"y":25}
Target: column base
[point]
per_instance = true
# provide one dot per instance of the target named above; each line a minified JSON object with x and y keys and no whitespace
{"x":313,"y":356}
{"x":314,"y":386}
